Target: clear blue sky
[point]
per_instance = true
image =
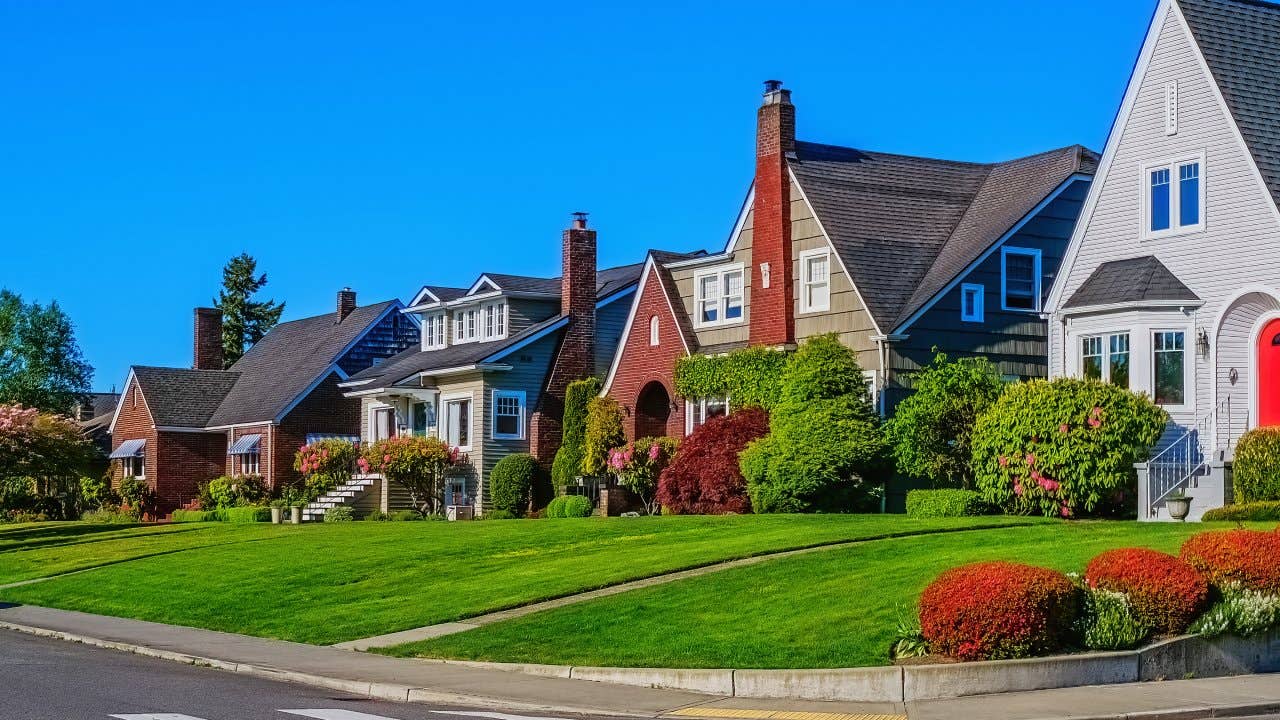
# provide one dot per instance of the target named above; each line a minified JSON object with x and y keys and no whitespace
{"x":383,"y":145}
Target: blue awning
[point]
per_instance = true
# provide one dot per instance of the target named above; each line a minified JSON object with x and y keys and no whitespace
{"x":129,"y":448}
{"x":246,"y":445}
{"x":316,"y":437}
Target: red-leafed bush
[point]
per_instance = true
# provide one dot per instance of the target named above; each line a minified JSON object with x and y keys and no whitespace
{"x":704,"y":478}
{"x":1248,"y":557}
{"x":1166,"y":594}
{"x":997,"y":610}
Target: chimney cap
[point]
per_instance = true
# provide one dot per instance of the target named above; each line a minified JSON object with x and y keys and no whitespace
{"x":579,"y":219}
{"x":772,"y":85}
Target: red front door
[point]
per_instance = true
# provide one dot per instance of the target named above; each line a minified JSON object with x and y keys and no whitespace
{"x":1269,"y":374}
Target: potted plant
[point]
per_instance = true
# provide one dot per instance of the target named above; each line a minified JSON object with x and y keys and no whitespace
{"x":295,"y":512}
{"x":277,"y":511}
{"x":1178,"y":504}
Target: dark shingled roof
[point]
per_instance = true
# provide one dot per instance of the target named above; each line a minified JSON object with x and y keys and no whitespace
{"x":445,"y":294}
{"x":178,"y":397}
{"x":1130,"y":281}
{"x":608,"y":281}
{"x":1240,"y":40}
{"x":905,"y":226}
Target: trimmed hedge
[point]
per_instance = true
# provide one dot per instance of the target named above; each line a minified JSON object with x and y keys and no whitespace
{"x":569,"y":506}
{"x":1244,"y":512}
{"x":1165,"y":592}
{"x":250,"y":514}
{"x":511,"y":481}
{"x":946,"y":503}
{"x":187,"y":516}
{"x":1256,"y":468}
{"x":1244,"y":557}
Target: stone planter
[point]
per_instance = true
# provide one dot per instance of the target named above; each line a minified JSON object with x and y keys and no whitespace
{"x":1178,"y":508}
{"x":295,"y":515}
{"x":277,"y":515}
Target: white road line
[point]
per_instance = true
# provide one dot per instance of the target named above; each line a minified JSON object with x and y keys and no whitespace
{"x":334,"y":714}
{"x":156,"y":716}
{"x":494,"y":715}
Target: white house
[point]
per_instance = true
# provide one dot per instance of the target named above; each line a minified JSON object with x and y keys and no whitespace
{"x":1171,"y":281}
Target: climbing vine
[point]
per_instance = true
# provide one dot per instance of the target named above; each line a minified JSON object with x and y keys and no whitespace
{"x":747,"y":377}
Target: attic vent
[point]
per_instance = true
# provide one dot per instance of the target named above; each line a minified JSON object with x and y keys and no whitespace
{"x":1171,"y":108}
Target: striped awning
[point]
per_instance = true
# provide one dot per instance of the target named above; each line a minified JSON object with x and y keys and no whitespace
{"x":245,"y":445}
{"x":317,"y":437}
{"x":129,"y":448}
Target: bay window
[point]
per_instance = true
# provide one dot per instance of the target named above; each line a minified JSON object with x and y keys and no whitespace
{"x":1168,"y":366}
{"x":1106,"y":358}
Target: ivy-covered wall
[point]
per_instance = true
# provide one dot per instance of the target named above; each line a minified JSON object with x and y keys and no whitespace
{"x":747,"y":377}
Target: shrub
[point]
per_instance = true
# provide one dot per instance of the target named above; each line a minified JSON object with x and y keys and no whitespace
{"x":997,"y":610}
{"x":405,"y":516}
{"x":186,"y":516}
{"x":946,"y":503}
{"x":1064,"y":447}
{"x":341,"y":513}
{"x":749,"y":377}
{"x":825,"y":449}
{"x":1166,"y":593}
{"x":640,"y":463}
{"x":1107,"y":622}
{"x":704,"y":477}
{"x":604,"y":433}
{"x":324,"y":465}
{"x":568,"y":461}
{"x":1244,"y":512}
{"x":1242,"y":612}
{"x":418,"y":464}
{"x":932,"y":429}
{"x":555,"y":508}
{"x":245,"y":514}
{"x":232,"y":491}
{"x":577,"y":506}
{"x":96,"y":492}
{"x":42,"y":458}
{"x":1236,"y":557}
{"x":511,"y":481}
{"x":500,"y":515}
{"x":1256,"y":469}
{"x":137,"y":494}
{"x":109,"y":515}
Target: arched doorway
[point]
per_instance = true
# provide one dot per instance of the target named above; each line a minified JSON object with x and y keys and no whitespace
{"x":1269,"y":374}
{"x":653,"y":409}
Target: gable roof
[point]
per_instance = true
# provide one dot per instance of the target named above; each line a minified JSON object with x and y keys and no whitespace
{"x":178,"y":397}
{"x":1133,"y":280}
{"x":1240,"y":41}
{"x":608,"y":281}
{"x":904,"y":226}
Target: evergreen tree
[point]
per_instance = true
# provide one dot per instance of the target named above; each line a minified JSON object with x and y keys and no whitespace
{"x":244,"y":320}
{"x":41,"y":365}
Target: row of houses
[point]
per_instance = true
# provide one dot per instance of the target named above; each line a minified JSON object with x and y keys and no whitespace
{"x":1154,"y":265}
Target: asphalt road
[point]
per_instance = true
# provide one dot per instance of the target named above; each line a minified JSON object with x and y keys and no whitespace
{"x":45,"y":679}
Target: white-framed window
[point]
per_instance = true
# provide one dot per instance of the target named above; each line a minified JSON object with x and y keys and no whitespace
{"x":654,"y":338}
{"x":456,"y":416}
{"x":493,"y":321}
{"x":718,"y":296}
{"x":466,"y":325}
{"x":1106,"y":358}
{"x":508,"y":415}
{"x":1169,"y":367}
{"x":815,"y":280}
{"x":972,"y":302}
{"x":422,"y":417}
{"x":135,"y":466}
{"x":251,"y":464}
{"x":1020,"y":279}
{"x":1173,"y":197}
{"x":698,"y":412}
{"x":433,"y":332}
{"x":1171,"y":108}
{"x":382,"y":422}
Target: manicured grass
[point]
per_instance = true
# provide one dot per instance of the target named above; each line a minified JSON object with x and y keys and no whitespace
{"x":328,"y":583}
{"x":831,"y":609}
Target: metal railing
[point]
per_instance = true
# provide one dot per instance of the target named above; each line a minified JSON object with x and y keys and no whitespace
{"x":1187,"y":457}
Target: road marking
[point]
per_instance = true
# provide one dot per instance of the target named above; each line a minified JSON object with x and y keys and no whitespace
{"x":335,"y":714}
{"x":493,"y":715}
{"x":156,"y":716}
{"x":745,"y":714}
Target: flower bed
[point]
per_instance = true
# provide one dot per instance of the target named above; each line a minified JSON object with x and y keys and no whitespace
{"x":1166,"y":593}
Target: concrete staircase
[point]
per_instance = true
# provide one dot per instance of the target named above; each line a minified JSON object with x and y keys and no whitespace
{"x":348,"y":493}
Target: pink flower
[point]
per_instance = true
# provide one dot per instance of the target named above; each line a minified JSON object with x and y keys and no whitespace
{"x":1031,"y":459}
{"x":1062,"y":428}
{"x":1017,"y":489}
{"x":1049,"y":485}
{"x":654,"y":451}
{"x":1095,"y":423}
{"x":386,"y":458}
{"x":1004,"y":461}
{"x":1064,"y":511}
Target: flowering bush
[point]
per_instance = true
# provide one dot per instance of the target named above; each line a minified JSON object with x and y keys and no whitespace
{"x":324,"y":464}
{"x":997,"y":610}
{"x":42,"y":457}
{"x":1166,"y":593}
{"x":1255,"y":472}
{"x":704,"y":477}
{"x":638,"y":465}
{"x":1231,"y":557}
{"x":231,"y":491}
{"x":1107,"y":621}
{"x":1242,"y":612}
{"x":418,"y":464}
{"x":1064,"y":447}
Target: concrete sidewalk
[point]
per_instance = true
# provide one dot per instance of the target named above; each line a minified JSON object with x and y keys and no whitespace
{"x":415,"y":680}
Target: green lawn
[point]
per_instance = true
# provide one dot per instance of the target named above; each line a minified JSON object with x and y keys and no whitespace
{"x":830,"y":609}
{"x":328,"y":583}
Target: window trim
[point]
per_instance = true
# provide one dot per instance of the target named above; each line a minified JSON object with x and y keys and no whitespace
{"x":128,"y":465}
{"x":1037,"y":270}
{"x":1175,"y":196}
{"x":655,"y":336}
{"x":429,"y":334}
{"x":443,"y":427}
{"x":721,"y":272}
{"x":257,"y":463}
{"x":1188,"y":366}
{"x":805,"y":281}
{"x":700,"y":404}
{"x":979,"y":302}
{"x":521,"y":423}
{"x":1104,"y":338}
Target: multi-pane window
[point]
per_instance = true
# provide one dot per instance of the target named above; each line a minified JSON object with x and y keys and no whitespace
{"x":720,"y":296}
{"x":433,"y":332}
{"x":494,"y":317}
{"x":1169,"y":367}
{"x":1091,"y":359}
{"x":1174,"y":198}
{"x":250,"y":463}
{"x":972,"y":300}
{"x":508,"y":415}
{"x":1161,"y":199}
{"x":698,"y":412}
{"x":466,"y":325}
{"x":1105,"y":357}
{"x":1020,"y":278}
{"x":457,"y":422}
{"x":134,"y":466}
{"x":815,"y":281}
{"x":1189,"y":194}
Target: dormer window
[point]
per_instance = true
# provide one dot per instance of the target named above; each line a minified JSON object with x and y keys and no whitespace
{"x":480,"y":323}
{"x":494,"y":316}
{"x":466,"y":325}
{"x":1173,"y":195}
{"x":433,"y":332}
{"x":720,"y":296}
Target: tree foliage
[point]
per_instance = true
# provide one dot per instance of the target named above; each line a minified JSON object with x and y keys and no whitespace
{"x":603,"y":433}
{"x":42,"y":459}
{"x":704,"y":477}
{"x":418,"y":464}
{"x":747,"y":377}
{"x":568,"y":461}
{"x":244,"y":320}
{"x":41,"y":365}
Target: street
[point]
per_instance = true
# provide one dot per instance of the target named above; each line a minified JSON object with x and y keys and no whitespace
{"x":46,"y":679}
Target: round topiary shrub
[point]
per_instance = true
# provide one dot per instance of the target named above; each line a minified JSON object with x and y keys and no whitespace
{"x":1256,"y":469}
{"x":997,"y":610}
{"x":511,"y":481}
{"x":1064,"y":447}
{"x":577,"y":506}
{"x":1166,"y":593}
{"x":555,"y":508}
{"x":704,"y":477}
{"x":1236,"y":557}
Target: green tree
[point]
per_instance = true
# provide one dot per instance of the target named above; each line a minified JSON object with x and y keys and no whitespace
{"x":603,"y":433}
{"x":568,"y":461}
{"x":244,"y":320}
{"x":41,"y":365}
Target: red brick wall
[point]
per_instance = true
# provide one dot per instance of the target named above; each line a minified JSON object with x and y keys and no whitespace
{"x":772,"y":315}
{"x":233,"y":463}
{"x":642,"y":363}
{"x":206,"y":352}
{"x":323,"y":411}
{"x":134,"y":423}
{"x":186,"y":461}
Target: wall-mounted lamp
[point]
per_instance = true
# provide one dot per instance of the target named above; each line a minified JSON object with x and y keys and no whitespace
{"x":1202,"y":342}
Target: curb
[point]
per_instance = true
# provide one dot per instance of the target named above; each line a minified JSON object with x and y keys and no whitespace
{"x":1188,"y":713}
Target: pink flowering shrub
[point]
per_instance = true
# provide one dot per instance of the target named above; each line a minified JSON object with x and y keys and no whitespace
{"x":324,"y":464}
{"x":639,"y":464}
{"x":42,"y":457}
{"x":418,"y":464}
{"x":1064,"y":448}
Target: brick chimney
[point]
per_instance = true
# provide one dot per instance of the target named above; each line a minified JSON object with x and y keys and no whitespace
{"x":207,"y":352}
{"x":346,"y":303}
{"x":772,"y":285}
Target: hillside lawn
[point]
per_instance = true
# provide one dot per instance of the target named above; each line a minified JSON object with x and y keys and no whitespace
{"x":837,"y":608}
{"x":328,"y":583}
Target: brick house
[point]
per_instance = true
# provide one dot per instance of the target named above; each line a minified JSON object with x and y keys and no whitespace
{"x":181,"y":427}
{"x":897,"y":255}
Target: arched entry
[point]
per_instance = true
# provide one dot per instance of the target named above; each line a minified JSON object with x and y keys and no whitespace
{"x":1269,"y":374}
{"x":653,"y":409}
